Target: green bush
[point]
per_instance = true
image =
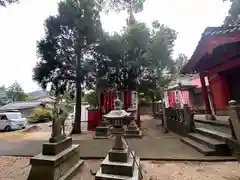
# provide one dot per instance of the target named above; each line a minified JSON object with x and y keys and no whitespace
{"x":40,"y":115}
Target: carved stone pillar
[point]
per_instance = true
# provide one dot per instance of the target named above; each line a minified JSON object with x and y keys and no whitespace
{"x":164,"y":118}
{"x":234,"y":114}
{"x":188,"y":117}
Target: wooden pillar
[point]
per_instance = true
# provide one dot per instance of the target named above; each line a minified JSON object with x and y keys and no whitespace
{"x":205,"y":94}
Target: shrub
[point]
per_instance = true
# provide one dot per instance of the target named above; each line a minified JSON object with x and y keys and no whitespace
{"x":40,"y":115}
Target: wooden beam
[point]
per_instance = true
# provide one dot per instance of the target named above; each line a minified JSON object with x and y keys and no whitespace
{"x":228,"y":65}
{"x":205,"y":94}
{"x":217,"y":58}
{"x":206,"y":45}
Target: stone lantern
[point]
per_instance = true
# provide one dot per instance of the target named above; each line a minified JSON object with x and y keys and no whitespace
{"x":121,"y":162}
{"x":133,"y":131}
{"x":117,"y":119}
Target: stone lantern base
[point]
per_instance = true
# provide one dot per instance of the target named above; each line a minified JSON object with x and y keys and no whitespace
{"x":103,"y":131}
{"x":133,"y":131}
{"x":119,"y":165}
{"x":58,"y":161}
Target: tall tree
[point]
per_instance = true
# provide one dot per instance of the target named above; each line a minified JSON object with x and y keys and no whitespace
{"x":160,"y":63}
{"x":180,"y":61}
{"x":71,"y":35}
{"x":5,"y":2}
{"x":125,"y":56}
{"x":233,"y":17}
{"x":119,"y":5}
{"x":15,"y":92}
{"x":3,"y":96}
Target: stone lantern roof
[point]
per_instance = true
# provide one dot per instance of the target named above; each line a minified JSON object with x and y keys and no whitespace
{"x":116,"y":114}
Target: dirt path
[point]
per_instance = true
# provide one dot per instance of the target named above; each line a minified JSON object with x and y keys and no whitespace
{"x":152,"y":128}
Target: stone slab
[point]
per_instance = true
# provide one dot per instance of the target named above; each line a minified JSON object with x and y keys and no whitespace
{"x":136,"y":174}
{"x":102,"y":137}
{"x":132,"y":131}
{"x":56,"y":148}
{"x":129,"y":128}
{"x":57,"y":159}
{"x":118,"y":155}
{"x":72,"y":171}
{"x":134,"y":135}
{"x":58,"y":167}
{"x":102,"y":128}
{"x":118,"y":168}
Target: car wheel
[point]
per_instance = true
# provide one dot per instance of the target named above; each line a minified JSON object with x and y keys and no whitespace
{"x":7,"y":129}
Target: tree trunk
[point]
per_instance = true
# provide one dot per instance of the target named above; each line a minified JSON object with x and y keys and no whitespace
{"x":153,"y":105}
{"x":78,"y":108}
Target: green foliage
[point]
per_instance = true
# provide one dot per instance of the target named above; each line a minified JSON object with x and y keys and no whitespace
{"x":3,"y":96}
{"x":13,"y":93}
{"x":75,"y":51}
{"x":92,"y":99}
{"x":40,"y":115}
{"x":27,"y":97}
{"x":16,"y":93}
{"x":119,"y":5}
{"x":160,"y":67}
{"x":70,"y":36}
{"x":5,"y":2}
{"x":122,"y":57}
{"x":233,"y":17}
{"x":180,"y":61}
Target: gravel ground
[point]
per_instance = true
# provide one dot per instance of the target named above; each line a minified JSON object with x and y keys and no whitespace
{"x":17,"y":168}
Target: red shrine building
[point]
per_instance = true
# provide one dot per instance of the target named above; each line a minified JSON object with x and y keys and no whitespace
{"x":217,"y":58}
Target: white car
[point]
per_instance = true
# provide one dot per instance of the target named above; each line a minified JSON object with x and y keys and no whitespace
{"x":12,"y":121}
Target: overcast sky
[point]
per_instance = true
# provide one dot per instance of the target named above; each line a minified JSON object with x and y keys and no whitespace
{"x":21,"y":25}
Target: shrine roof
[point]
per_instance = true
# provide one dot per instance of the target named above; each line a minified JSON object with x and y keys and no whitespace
{"x":211,"y":38}
{"x":222,"y":30}
{"x":183,"y":81}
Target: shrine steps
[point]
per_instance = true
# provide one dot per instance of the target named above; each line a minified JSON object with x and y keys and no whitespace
{"x":209,"y":142}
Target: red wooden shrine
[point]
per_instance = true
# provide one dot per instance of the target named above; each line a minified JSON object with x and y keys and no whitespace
{"x":107,"y":98}
{"x":217,"y":57}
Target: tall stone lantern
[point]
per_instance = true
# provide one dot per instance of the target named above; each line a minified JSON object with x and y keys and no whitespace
{"x":132,"y":131}
{"x":121,"y":162}
{"x":117,"y":119}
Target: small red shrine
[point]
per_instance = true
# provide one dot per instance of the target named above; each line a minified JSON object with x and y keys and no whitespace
{"x":217,"y":57}
{"x":107,"y":99}
{"x":185,"y":89}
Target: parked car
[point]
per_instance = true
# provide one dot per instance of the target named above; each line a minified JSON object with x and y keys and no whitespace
{"x":12,"y":121}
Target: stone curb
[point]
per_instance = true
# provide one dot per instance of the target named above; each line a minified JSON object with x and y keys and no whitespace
{"x":174,"y":159}
{"x":31,"y":127}
{"x":217,"y":123}
{"x":231,"y":159}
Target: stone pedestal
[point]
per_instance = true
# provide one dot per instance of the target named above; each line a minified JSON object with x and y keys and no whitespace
{"x":120,"y":164}
{"x":234,"y":115}
{"x":58,"y":161}
{"x":133,"y":131}
{"x":103,"y":131}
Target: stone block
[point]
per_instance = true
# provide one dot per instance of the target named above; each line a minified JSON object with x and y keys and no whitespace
{"x":134,"y":136}
{"x":136,"y":174}
{"x":130,"y":131}
{"x":102,"y":132}
{"x":133,"y":132}
{"x":55,"y":148}
{"x":118,"y":168}
{"x":132,"y":128}
{"x":118,"y":155}
{"x":56,"y":167}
